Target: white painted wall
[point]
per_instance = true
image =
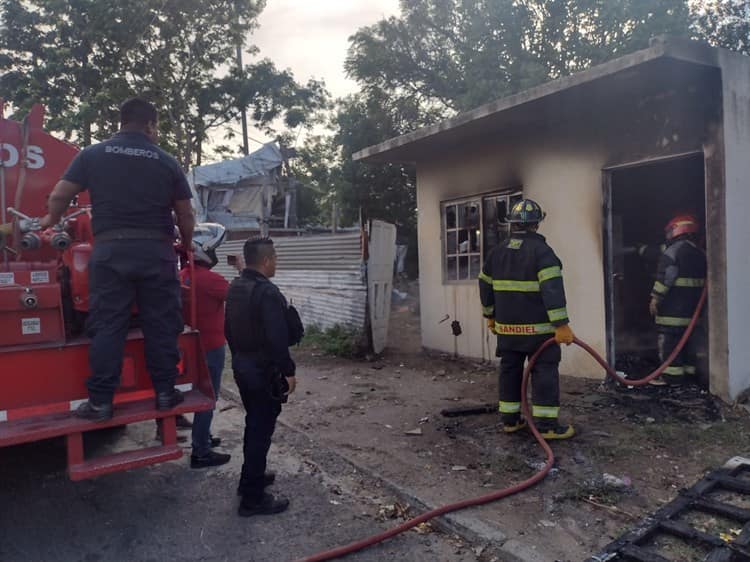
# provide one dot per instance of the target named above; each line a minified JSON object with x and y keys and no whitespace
{"x":736,"y":108}
{"x":567,"y":183}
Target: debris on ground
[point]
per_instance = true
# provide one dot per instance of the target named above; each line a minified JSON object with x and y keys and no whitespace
{"x":615,"y":482}
{"x":539,"y":466}
{"x":655,"y":440}
{"x":424,"y":529}
{"x":393,"y":511}
{"x":698,"y":524}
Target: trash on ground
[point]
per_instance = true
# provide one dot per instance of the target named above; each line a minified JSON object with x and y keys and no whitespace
{"x":614,"y":482}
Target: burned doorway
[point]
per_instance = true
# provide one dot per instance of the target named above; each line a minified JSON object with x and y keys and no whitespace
{"x":640,"y":200}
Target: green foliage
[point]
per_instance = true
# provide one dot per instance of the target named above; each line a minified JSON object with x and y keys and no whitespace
{"x":453,"y":55}
{"x":440,"y":57}
{"x":389,"y":192}
{"x":82,"y":58}
{"x":318,"y":166}
{"x":724,"y":23}
{"x":339,"y":341}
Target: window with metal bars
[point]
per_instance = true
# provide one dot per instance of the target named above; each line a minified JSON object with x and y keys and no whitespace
{"x":471,"y":227}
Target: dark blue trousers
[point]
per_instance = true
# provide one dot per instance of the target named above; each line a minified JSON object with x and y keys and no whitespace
{"x":202,"y":420}
{"x":121,"y":273}
{"x":261,"y":411}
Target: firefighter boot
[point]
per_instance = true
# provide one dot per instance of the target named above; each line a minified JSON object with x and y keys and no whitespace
{"x":551,"y":429}
{"x":512,"y":422}
{"x":94,"y":412}
{"x":168,"y":400}
{"x":267,"y":505}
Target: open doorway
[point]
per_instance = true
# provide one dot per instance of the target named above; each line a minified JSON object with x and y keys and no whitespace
{"x":641,"y":199}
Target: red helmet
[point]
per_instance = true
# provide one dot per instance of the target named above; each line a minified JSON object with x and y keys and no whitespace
{"x":681,"y":224}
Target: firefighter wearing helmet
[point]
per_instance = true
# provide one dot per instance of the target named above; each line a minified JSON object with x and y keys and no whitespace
{"x":680,"y":279}
{"x":523,"y":300}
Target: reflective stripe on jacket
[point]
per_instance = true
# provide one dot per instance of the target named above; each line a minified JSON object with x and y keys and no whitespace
{"x":521,"y":287}
{"x":680,"y":279}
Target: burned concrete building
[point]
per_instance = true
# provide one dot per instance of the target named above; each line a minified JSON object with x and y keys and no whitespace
{"x":611,"y":153}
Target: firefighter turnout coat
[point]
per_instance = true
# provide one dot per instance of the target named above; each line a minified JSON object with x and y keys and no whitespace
{"x":521,"y":287}
{"x":680,"y":278}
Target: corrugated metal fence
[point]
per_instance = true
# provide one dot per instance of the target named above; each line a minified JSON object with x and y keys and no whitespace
{"x":323,"y":276}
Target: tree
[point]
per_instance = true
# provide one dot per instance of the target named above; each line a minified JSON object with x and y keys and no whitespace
{"x":318,"y":166}
{"x":84,"y":57}
{"x":441,"y":57}
{"x":453,"y":55}
{"x":70,"y":56}
{"x":388,"y":192}
{"x":724,"y":23}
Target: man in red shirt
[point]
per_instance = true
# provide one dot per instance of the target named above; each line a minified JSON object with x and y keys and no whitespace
{"x":210,"y":294}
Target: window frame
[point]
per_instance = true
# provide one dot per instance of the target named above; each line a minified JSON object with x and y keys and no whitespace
{"x":479,"y":199}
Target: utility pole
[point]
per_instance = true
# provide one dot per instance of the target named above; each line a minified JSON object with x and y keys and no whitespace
{"x":243,"y":110}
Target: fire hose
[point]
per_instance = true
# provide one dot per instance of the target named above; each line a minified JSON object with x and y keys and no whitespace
{"x":550,"y":457}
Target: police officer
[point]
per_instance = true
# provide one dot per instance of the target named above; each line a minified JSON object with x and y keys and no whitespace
{"x":680,"y":278}
{"x":135,"y":187}
{"x":523,"y":300}
{"x":259,"y":334}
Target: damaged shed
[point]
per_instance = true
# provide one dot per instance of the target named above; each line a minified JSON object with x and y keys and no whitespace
{"x":611,"y":153}
{"x":252,"y":194}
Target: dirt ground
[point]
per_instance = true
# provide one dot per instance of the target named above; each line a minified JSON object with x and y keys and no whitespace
{"x":650,"y":443}
{"x":169,"y":512}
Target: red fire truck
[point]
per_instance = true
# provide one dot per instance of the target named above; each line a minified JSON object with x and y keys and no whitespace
{"x":43,"y":307}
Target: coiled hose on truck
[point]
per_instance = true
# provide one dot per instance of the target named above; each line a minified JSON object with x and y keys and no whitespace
{"x":550,"y":457}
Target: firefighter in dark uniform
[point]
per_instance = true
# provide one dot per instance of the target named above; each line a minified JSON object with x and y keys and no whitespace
{"x":680,"y":278}
{"x":523,"y":300}
{"x":259,"y":333}
{"x":135,"y":187}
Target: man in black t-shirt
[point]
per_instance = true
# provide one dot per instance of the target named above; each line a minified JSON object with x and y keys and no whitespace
{"x":134,"y":188}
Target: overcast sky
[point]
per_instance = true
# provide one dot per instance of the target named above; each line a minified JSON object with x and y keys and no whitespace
{"x":310,"y":37}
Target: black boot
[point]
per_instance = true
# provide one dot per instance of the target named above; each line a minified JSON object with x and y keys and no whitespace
{"x":512,"y":422}
{"x":267,"y":505}
{"x":552,"y":430}
{"x":268,"y":479}
{"x":211,"y":459}
{"x":168,"y":400}
{"x":94,"y":412}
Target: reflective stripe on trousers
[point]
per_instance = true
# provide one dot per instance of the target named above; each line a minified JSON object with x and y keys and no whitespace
{"x":509,"y":407}
{"x":545,"y":411}
{"x":672,"y":321}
